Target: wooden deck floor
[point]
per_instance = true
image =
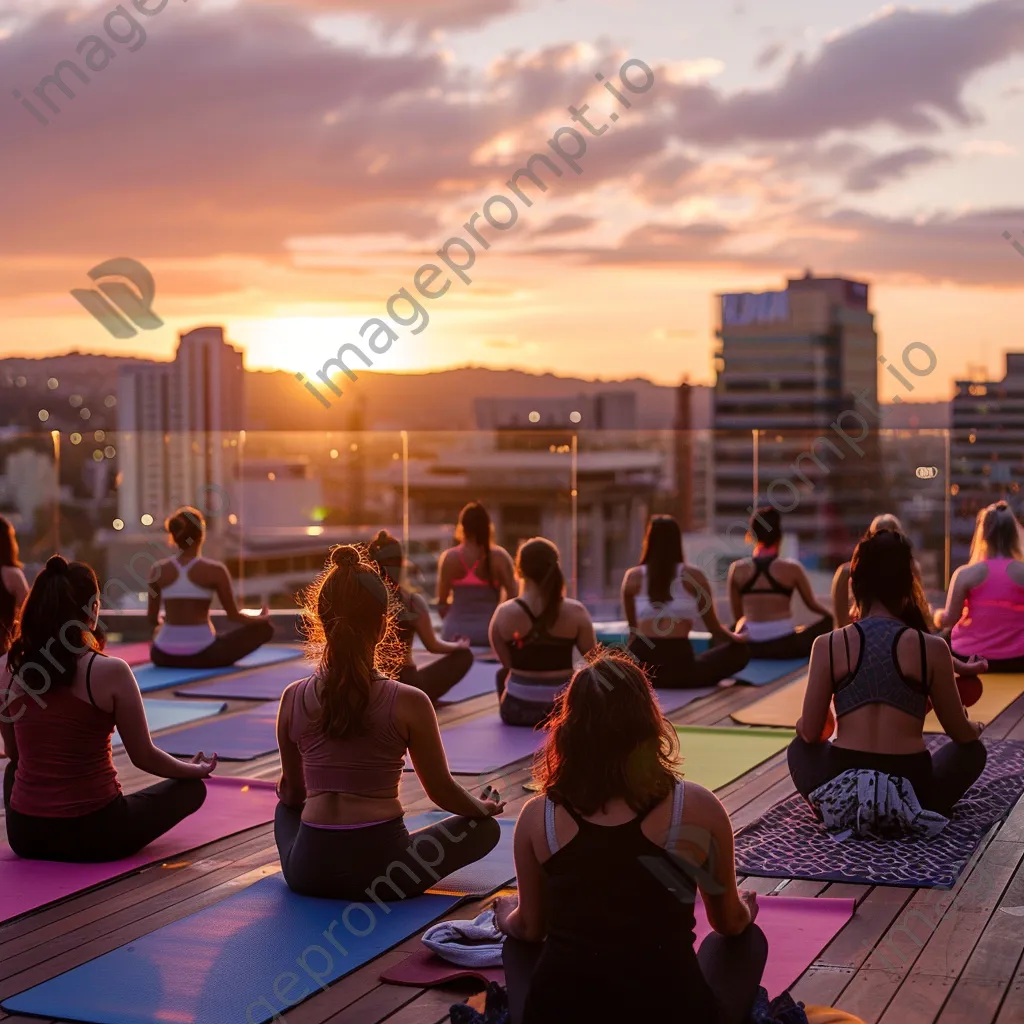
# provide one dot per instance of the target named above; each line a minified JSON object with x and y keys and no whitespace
{"x":907,"y":956}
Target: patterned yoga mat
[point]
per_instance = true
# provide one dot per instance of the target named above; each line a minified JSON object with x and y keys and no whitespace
{"x":787,"y":842}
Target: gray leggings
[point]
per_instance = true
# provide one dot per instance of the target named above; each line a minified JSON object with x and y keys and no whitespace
{"x":380,"y":861}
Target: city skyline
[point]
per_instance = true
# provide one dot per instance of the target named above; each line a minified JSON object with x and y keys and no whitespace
{"x":759,"y":152}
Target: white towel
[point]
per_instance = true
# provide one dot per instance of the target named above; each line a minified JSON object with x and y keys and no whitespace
{"x":475,"y":943}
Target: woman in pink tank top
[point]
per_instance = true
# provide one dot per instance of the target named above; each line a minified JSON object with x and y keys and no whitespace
{"x":985,"y":607}
{"x":344,"y":733}
{"x":60,"y":701}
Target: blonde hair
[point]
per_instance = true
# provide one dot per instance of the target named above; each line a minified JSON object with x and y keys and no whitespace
{"x":997,"y":534}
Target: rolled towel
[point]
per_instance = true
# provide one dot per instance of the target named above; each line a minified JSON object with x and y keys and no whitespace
{"x":475,"y":943}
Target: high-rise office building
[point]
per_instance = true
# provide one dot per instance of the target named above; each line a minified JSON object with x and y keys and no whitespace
{"x":789,"y":365}
{"x":178,"y":426}
{"x":986,"y":449}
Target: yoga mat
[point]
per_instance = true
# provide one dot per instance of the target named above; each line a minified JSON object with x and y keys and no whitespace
{"x":475,"y":683}
{"x":797,"y":931}
{"x":259,"y":684}
{"x":762,"y":671}
{"x":232,"y":805}
{"x":715,"y":757}
{"x":485,"y":745}
{"x":673,"y":700}
{"x":240,"y":737}
{"x":784,"y":707}
{"x":613,"y":634}
{"x":134,"y":654}
{"x":165,"y":714}
{"x":787,"y":841}
{"x":150,"y":677}
{"x":484,"y":876}
{"x":242,"y":961}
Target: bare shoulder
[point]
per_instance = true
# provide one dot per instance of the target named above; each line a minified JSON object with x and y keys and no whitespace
{"x":531,"y":817}
{"x":411,"y":702}
{"x":970,"y":575}
{"x":633,"y":577}
{"x":702,"y":807}
{"x":114,"y":672}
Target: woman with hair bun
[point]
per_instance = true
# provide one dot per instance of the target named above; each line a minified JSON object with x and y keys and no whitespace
{"x":186,"y":585}
{"x":60,"y":702}
{"x":437,"y":678}
{"x":13,"y":585}
{"x":984,"y":611}
{"x":472,"y":577}
{"x":535,"y":636}
{"x":343,"y":734}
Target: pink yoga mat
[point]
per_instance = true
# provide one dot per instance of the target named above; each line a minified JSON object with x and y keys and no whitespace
{"x":134,"y":654}
{"x":232,"y":805}
{"x":797,"y":931}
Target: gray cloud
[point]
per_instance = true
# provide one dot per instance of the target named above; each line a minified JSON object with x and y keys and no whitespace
{"x":880,"y":171}
{"x":568,"y":223}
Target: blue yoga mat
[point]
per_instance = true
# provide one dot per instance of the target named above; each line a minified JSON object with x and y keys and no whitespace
{"x":165,"y":714}
{"x":150,"y":677}
{"x":491,"y":873}
{"x":475,"y":683}
{"x":613,"y":634}
{"x":256,"y":684}
{"x":240,"y":737}
{"x":761,"y":671}
{"x":242,"y":961}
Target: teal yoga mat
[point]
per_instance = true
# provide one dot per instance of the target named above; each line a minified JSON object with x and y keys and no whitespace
{"x":761,"y":671}
{"x":244,"y":960}
{"x":150,"y":677}
{"x":617,"y":634}
{"x":165,"y":714}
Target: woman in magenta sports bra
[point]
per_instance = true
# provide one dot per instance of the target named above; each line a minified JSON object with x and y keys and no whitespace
{"x":985,"y":608}
{"x":343,"y":734}
{"x":473,"y":577}
{"x":185,"y":586}
{"x":60,"y":700}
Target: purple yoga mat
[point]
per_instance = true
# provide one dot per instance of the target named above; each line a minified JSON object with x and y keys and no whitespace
{"x":241,"y":737}
{"x":232,"y":805}
{"x":797,"y":931}
{"x":485,"y":745}
{"x":256,"y":684}
{"x":673,"y":700}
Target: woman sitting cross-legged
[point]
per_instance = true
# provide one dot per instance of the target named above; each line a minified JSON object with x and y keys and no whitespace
{"x":343,"y":734}
{"x":761,"y":592}
{"x":535,"y":635}
{"x":609,"y":862}
{"x":984,"y":612}
{"x":882,"y":672}
{"x":663,"y":598}
{"x":437,"y":678}
{"x":59,"y":704}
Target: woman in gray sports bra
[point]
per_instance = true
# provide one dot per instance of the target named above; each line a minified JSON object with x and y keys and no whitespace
{"x":884,"y":674}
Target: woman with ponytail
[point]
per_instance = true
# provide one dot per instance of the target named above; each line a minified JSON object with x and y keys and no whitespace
{"x":473,"y":577}
{"x":13,"y":585}
{"x":343,"y":734}
{"x":60,"y":703}
{"x":535,"y":635}
{"x":437,"y":678}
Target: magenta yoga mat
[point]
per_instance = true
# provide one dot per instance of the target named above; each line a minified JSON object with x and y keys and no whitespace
{"x":232,"y":805}
{"x":426,"y":970}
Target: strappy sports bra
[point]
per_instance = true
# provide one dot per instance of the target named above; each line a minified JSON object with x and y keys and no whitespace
{"x":762,"y":569}
{"x":472,"y":577}
{"x":182,"y":586}
{"x":539,"y":651}
{"x":877,"y":677}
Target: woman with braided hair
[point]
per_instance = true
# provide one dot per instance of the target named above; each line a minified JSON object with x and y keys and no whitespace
{"x":343,"y":734}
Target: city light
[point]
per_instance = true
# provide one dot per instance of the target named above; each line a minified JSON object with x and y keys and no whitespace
{"x":43,"y":415}
{"x":334,"y":453}
{"x":147,"y":520}
{"x":926,"y":472}
{"x":76,"y":438}
{"x":575,"y":417}
{"x":118,"y":524}
{"x":84,"y":413}
{"x":100,"y":435}
{"x":535,"y":417}
{"x":53,"y":383}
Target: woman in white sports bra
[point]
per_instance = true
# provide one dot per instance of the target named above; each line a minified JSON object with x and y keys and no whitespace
{"x":664,"y":598}
{"x":186,"y":585}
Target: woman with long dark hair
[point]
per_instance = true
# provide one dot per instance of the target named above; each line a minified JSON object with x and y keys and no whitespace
{"x":343,"y":734}
{"x":13,"y":585}
{"x":535,"y":634}
{"x":664,"y":598}
{"x":609,"y":861}
{"x":761,"y":590}
{"x":472,"y":578}
{"x":186,"y":586}
{"x":60,"y":704}
{"x":413,"y":619}
{"x":882,"y":673}
{"x":984,"y":611}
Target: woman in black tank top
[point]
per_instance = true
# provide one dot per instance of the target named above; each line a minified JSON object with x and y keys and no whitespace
{"x":607,"y":880}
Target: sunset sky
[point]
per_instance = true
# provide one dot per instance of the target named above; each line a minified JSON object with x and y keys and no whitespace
{"x":284,"y":168}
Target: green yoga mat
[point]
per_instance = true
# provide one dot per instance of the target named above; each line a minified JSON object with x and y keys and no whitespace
{"x":715,"y":757}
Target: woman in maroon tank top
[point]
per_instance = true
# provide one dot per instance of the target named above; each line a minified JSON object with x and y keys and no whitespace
{"x":60,"y":701}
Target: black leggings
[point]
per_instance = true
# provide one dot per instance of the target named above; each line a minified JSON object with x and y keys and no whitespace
{"x":939,"y":779}
{"x":732,"y":967}
{"x":377,"y":862}
{"x":796,"y":645}
{"x":995,"y":665}
{"x":437,"y":678}
{"x":122,"y":828}
{"x":672,"y":664}
{"x":230,"y":646}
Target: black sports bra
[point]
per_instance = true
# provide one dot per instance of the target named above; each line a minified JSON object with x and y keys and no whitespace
{"x":762,"y":569}
{"x":539,"y":651}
